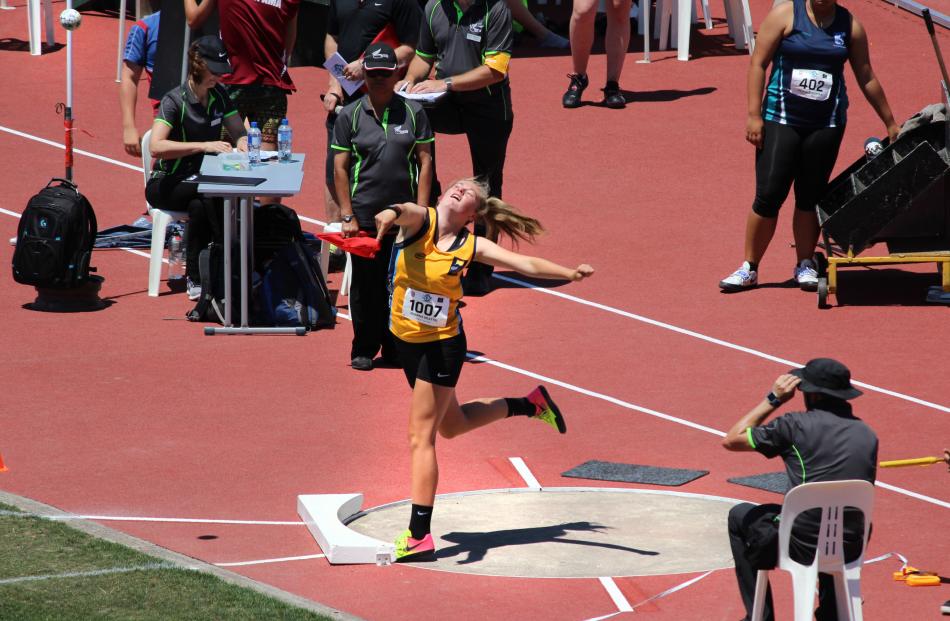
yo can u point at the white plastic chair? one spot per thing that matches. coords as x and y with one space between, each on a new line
674 20
831 497
335 227
160 221
34 16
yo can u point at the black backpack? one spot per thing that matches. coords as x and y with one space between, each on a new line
211 304
292 291
55 238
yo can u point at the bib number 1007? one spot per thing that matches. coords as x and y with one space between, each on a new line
812 84
426 308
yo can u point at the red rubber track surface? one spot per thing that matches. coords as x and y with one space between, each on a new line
131 411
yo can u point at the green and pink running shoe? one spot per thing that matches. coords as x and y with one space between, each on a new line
409 550
546 409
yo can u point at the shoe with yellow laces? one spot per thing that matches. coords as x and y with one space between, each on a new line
409 550
546 409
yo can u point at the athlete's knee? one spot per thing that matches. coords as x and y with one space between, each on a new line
766 206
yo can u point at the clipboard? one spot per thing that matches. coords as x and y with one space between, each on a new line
226 180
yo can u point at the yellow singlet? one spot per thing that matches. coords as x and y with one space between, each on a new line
426 284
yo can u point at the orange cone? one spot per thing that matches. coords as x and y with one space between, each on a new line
3 467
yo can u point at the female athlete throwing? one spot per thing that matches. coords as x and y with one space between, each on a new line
432 248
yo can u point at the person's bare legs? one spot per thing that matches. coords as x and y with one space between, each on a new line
758 234
435 409
617 38
429 403
806 231
471 415
582 33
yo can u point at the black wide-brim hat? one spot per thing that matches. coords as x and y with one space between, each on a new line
827 376
211 50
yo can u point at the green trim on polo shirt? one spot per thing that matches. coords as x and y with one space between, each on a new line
424 55
231 113
427 140
800 461
356 171
413 184
338 147
748 435
165 122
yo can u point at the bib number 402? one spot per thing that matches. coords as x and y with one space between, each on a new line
811 84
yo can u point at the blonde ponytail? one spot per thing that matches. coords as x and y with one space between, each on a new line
500 217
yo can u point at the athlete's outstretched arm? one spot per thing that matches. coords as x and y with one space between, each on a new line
408 216
489 252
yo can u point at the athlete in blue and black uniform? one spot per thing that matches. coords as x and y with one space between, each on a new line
798 127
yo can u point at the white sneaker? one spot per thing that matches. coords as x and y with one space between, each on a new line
945 609
806 275
743 278
194 290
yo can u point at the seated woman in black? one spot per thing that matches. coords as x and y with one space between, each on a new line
187 126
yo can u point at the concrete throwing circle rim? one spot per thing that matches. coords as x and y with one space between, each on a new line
683 547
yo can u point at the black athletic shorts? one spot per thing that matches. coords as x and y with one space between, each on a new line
437 362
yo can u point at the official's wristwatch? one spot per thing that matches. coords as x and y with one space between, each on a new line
448 83
773 399
347 218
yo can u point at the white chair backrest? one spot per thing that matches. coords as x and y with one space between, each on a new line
146 154
831 497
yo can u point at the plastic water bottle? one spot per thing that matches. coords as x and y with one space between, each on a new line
176 261
873 147
254 144
285 140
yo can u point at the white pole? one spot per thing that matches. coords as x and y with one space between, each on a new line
184 53
121 46
644 18
34 17
68 119
48 12
69 63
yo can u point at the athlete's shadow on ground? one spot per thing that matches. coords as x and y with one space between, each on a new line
477 545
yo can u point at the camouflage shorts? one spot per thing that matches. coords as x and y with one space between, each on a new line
266 105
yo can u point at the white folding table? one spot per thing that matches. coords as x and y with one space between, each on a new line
281 179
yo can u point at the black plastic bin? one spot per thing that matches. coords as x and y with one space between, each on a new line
899 197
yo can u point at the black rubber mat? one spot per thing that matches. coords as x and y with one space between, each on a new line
770 481
632 473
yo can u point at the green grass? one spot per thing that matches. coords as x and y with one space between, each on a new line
31 546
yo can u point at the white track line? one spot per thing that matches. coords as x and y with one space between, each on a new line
596 395
86 574
619 600
79 151
893 488
10 213
525 473
708 339
117 518
572 298
272 560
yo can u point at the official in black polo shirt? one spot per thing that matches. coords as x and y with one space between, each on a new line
382 147
351 26
825 443
187 126
469 42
